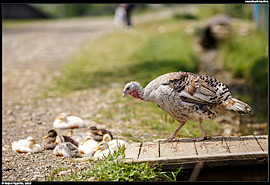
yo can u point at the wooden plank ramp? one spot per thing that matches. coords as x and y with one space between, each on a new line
214 151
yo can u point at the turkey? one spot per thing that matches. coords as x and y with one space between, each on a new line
187 96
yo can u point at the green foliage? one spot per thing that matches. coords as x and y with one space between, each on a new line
240 53
259 75
206 11
247 57
120 171
243 11
113 168
75 10
185 16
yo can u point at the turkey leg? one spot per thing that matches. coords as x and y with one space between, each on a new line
203 133
170 138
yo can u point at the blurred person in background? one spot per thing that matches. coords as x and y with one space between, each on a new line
129 8
123 14
120 14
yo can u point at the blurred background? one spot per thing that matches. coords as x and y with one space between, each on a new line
228 42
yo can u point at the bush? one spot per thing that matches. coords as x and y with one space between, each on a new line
75 10
259 75
240 53
185 16
243 11
247 58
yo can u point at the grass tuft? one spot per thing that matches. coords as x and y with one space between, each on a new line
113 168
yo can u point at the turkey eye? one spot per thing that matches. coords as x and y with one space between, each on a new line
127 88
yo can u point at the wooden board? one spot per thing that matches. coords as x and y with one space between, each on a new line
132 150
149 150
263 142
213 151
243 144
212 146
218 159
180 148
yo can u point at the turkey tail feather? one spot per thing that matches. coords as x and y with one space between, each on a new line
238 106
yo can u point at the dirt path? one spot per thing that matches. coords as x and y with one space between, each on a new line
32 54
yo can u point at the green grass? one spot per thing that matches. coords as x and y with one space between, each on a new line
113 168
140 54
250 48
206 11
18 23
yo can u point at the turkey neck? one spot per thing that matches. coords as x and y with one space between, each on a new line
143 94
138 93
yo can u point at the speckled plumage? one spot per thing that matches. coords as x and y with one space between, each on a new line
187 96
66 149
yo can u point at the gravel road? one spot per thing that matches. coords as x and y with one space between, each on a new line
32 53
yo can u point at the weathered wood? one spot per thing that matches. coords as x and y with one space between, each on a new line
216 151
243 144
132 150
215 145
195 172
263 142
149 150
181 148
218 158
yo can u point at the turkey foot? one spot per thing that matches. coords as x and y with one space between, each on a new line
203 133
170 138
199 138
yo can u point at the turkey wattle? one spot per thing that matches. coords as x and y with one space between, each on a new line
187 96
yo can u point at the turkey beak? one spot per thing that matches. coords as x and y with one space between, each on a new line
46 136
124 94
55 143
